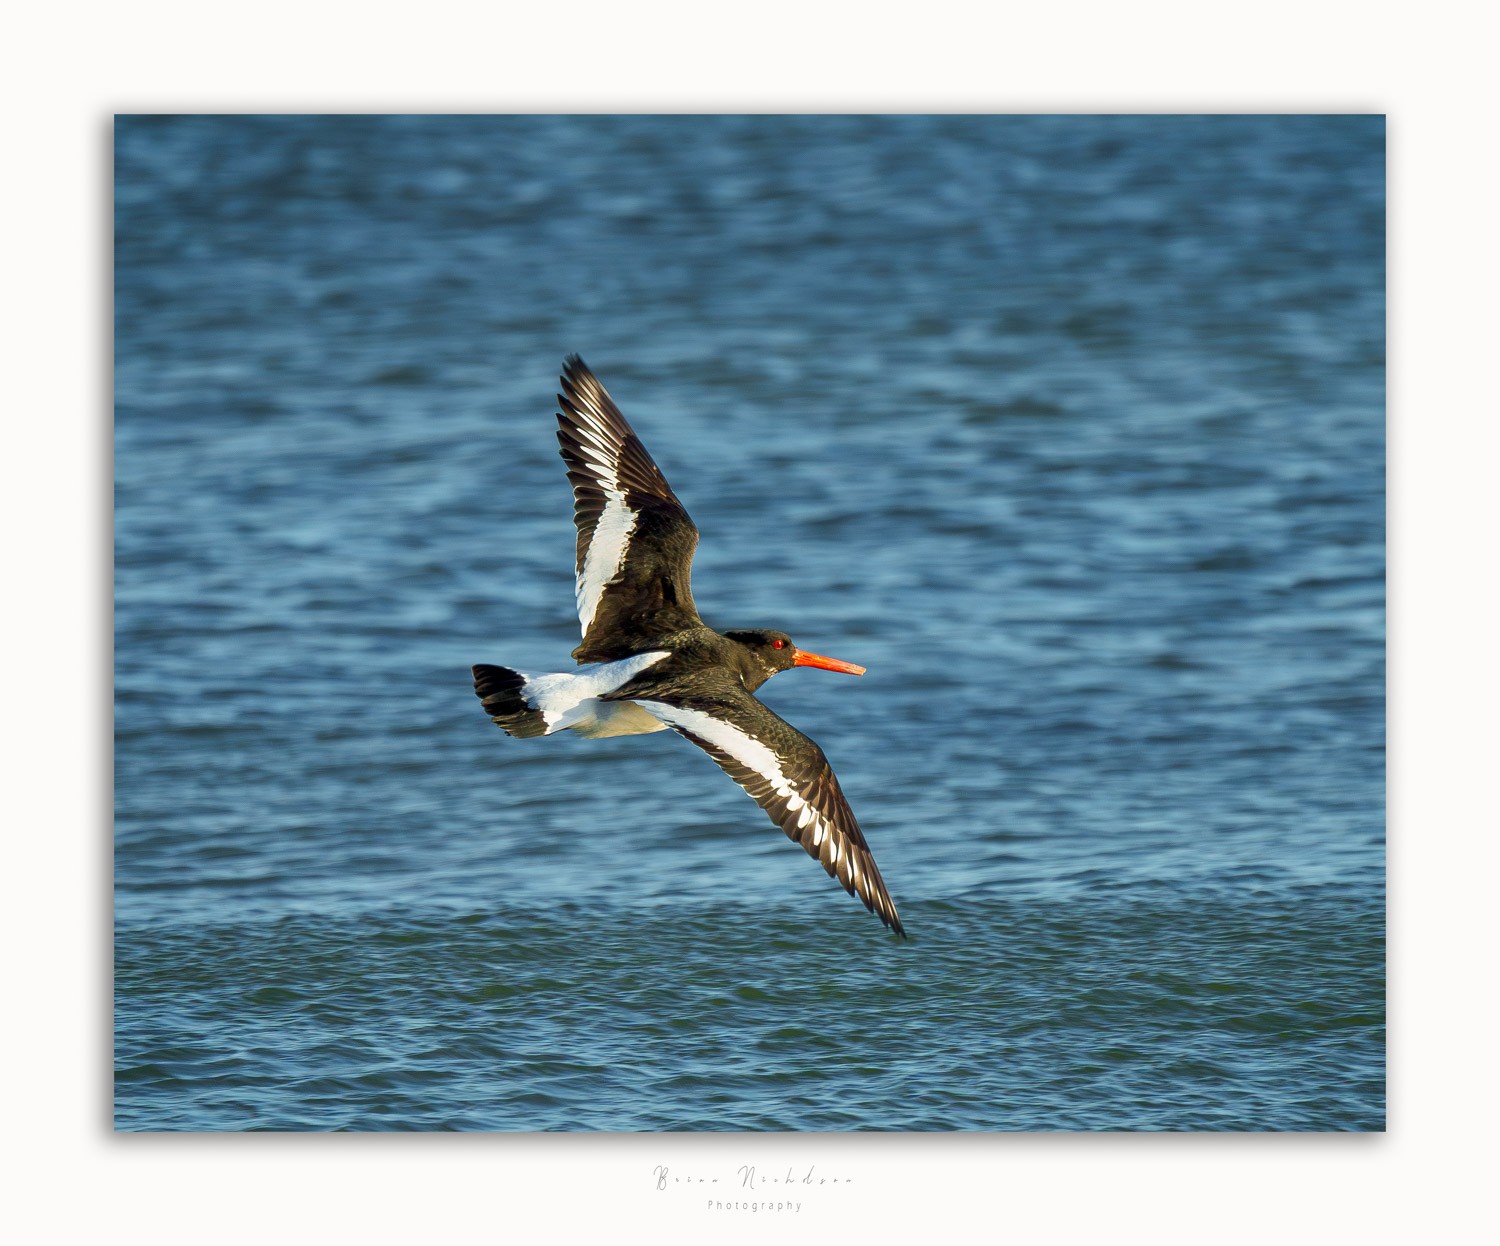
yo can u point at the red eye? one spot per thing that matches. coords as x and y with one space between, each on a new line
778 644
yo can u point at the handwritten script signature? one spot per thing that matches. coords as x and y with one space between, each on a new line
750 1179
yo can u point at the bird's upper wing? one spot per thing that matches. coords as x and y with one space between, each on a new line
635 541
789 778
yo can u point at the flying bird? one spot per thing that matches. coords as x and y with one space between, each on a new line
648 662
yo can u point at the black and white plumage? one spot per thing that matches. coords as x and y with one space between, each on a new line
635 541
649 662
790 778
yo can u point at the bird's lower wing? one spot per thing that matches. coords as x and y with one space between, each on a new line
790 779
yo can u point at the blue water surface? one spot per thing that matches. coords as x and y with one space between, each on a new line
1071 429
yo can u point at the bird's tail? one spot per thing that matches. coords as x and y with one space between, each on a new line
500 692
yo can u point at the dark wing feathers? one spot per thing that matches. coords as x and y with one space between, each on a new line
789 777
589 417
635 540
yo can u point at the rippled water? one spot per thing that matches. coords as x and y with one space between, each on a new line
1069 428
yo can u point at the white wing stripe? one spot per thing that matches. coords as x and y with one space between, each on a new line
740 745
611 536
606 554
756 756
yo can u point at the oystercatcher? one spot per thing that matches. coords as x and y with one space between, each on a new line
649 662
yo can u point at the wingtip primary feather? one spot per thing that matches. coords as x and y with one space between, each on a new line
575 372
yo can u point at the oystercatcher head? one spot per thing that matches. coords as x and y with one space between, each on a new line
772 652
649 662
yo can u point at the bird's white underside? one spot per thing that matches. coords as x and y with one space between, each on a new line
569 700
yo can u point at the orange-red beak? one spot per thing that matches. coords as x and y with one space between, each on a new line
803 658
